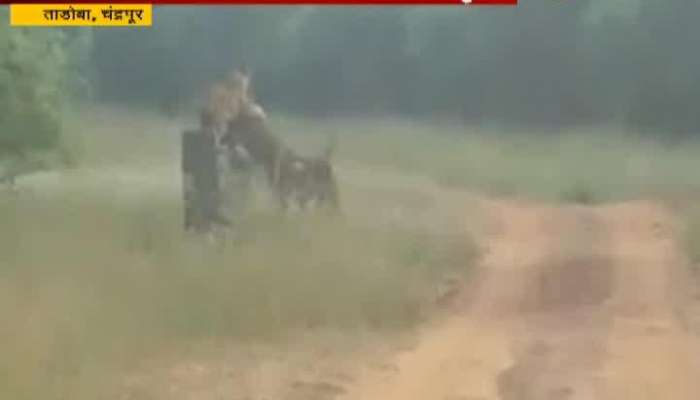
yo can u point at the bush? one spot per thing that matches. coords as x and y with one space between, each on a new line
36 82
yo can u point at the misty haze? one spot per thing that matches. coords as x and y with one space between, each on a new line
353 203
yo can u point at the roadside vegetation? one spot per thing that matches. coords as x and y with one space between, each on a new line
96 274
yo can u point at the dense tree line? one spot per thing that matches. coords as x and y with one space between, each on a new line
543 63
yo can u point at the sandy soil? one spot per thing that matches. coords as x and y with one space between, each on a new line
571 303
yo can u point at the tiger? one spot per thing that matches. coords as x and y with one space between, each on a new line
225 100
216 111
295 180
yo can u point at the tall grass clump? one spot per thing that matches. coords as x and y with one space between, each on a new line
89 286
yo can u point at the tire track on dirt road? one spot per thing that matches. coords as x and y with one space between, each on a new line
570 303
465 356
652 356
559 342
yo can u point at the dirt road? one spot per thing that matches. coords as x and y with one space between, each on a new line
571 303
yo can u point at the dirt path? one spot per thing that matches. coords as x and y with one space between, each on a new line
572 303
463 355
650 354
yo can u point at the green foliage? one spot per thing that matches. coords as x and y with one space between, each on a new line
541 64
37 79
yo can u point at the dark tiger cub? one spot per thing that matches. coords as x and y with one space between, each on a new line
296 180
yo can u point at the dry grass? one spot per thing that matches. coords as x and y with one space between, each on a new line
89 285
96 274
584 166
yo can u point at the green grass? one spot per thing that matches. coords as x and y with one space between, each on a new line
108 135
92 283
591 165
584 165
90 286
97 276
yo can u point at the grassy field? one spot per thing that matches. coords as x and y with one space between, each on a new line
87 285
96 274
587 165
584 165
